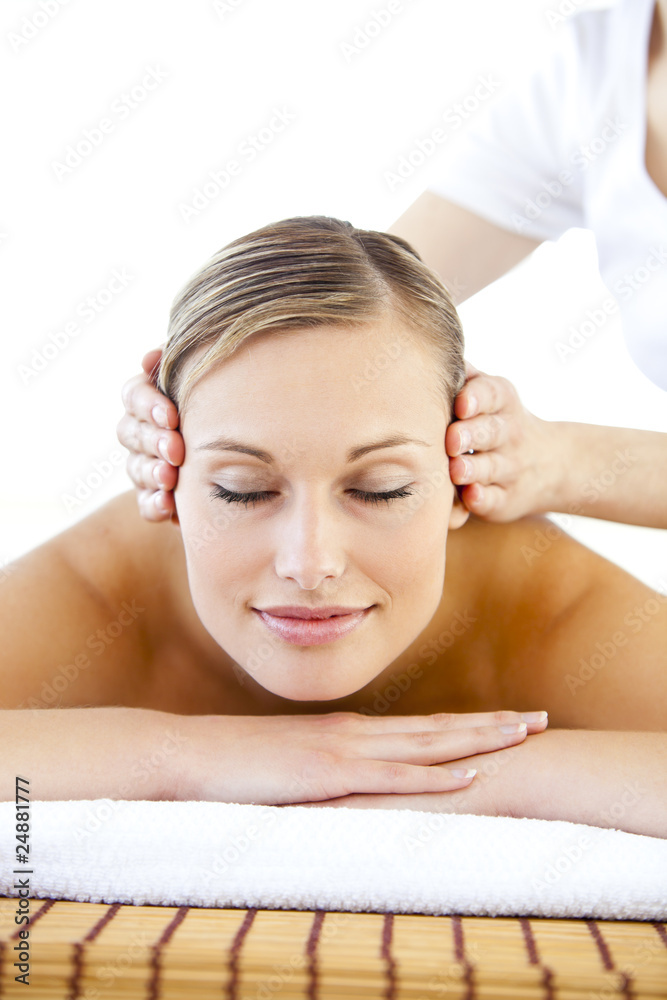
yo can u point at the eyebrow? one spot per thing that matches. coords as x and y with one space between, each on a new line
228 444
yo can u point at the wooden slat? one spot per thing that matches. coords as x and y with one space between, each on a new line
101 951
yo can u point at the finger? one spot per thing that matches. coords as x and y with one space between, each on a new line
156 505
151 363
142 400
151 473
433 747
480 433
358 722
485 501
485 468
386 776
483 394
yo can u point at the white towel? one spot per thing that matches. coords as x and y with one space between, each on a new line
333 858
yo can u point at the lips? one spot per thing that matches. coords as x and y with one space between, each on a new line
312 626
310 614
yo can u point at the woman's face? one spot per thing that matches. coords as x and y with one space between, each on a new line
308 537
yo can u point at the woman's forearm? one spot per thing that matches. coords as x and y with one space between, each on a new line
601 778
615 473
89 753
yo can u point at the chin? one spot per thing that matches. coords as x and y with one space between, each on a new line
310 690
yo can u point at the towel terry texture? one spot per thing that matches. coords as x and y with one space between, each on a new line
333 858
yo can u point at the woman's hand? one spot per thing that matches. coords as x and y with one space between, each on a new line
148 431
283 759
515 465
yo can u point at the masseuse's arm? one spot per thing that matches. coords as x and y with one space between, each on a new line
524 465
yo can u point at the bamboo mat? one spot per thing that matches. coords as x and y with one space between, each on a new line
101 951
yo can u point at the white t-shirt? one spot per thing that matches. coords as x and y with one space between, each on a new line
567 148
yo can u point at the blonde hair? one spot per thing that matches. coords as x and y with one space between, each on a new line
308 271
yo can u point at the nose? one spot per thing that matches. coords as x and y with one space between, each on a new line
309 545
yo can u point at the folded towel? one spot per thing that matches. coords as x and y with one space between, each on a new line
333 858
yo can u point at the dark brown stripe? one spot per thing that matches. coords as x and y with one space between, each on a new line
460 955
156 949
385 951
78 948
625 979
662 933
311 953
235 951
48 903
534 958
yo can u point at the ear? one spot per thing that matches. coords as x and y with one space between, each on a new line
173 518
459 513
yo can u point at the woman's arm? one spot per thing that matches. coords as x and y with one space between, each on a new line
607 779
90 753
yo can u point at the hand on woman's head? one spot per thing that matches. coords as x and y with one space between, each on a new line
148 429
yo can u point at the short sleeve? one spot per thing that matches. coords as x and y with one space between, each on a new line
516 162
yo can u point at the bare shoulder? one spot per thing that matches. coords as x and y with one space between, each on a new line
572 630
78 615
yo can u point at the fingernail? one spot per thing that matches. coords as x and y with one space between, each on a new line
463 772
465 439
534 716
162 448
161 501
466 468
159 475
160 416
471 408
514 727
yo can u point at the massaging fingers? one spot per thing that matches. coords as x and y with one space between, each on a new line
484 394
484 500
386 776
432 747
486 468
481 433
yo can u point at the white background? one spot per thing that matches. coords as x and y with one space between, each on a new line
225 71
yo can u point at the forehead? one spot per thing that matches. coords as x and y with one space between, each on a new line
375 368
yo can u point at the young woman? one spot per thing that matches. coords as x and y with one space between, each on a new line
320 622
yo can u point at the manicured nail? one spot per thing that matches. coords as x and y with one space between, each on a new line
465 439
159 475
160 416
534 716
514 727
162 448
160 501
463 772
471 408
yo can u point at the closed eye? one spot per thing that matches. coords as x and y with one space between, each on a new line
219 492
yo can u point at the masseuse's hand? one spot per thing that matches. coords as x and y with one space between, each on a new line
285 759
148 431
514 467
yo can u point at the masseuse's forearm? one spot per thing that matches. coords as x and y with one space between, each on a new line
608 779
88 753
615 473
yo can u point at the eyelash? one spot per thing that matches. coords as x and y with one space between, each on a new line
219 492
